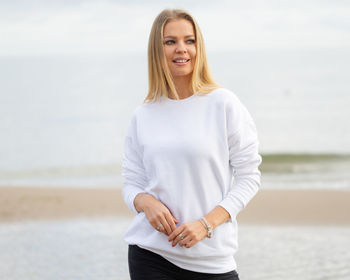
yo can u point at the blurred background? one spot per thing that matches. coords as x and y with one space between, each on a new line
73 72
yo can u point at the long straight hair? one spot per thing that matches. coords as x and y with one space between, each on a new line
159 76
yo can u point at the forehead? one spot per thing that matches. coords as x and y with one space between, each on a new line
178 27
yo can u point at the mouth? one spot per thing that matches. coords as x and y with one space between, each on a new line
181 61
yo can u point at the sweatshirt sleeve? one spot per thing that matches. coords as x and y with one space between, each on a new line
133 171
243 155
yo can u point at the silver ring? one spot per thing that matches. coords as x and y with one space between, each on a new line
181 236
159 227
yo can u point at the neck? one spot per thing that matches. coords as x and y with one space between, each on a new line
182 85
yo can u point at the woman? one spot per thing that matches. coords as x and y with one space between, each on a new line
183 146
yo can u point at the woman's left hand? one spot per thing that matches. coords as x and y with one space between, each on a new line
191 232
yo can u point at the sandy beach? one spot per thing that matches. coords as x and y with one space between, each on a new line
285 207
61 233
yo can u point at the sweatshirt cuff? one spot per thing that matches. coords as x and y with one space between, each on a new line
131 197
231 205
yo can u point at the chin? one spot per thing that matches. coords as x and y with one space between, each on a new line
182 74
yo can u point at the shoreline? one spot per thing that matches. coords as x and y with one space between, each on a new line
275 207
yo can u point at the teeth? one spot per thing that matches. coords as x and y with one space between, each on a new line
181 60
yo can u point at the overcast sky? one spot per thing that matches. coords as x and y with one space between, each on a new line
95 27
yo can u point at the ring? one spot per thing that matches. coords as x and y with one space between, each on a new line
181 236
159 227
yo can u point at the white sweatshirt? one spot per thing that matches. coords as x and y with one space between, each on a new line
186 153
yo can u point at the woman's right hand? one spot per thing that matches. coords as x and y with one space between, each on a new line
156 212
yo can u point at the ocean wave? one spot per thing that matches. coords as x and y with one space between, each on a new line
305 163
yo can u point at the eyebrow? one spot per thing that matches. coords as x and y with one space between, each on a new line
174 37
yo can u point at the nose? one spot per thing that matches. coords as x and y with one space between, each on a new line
181 47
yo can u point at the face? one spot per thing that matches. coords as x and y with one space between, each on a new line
179 47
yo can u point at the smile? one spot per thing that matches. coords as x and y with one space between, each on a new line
181 61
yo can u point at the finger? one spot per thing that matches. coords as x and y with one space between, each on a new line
186 240
171 223
176 232
190 244
175 220
162 230
178 239
158 226
166 226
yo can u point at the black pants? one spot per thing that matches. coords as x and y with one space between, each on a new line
146 265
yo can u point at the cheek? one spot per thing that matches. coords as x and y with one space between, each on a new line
167 53
193 53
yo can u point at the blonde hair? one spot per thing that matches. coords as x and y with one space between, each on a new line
159 76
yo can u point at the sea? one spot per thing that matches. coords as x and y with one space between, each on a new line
63 121
93 249
63 118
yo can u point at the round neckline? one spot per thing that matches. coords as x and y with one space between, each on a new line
179 100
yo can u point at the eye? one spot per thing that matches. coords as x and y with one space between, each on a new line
191 41
169 42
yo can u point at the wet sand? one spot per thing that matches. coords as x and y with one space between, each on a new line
275 207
